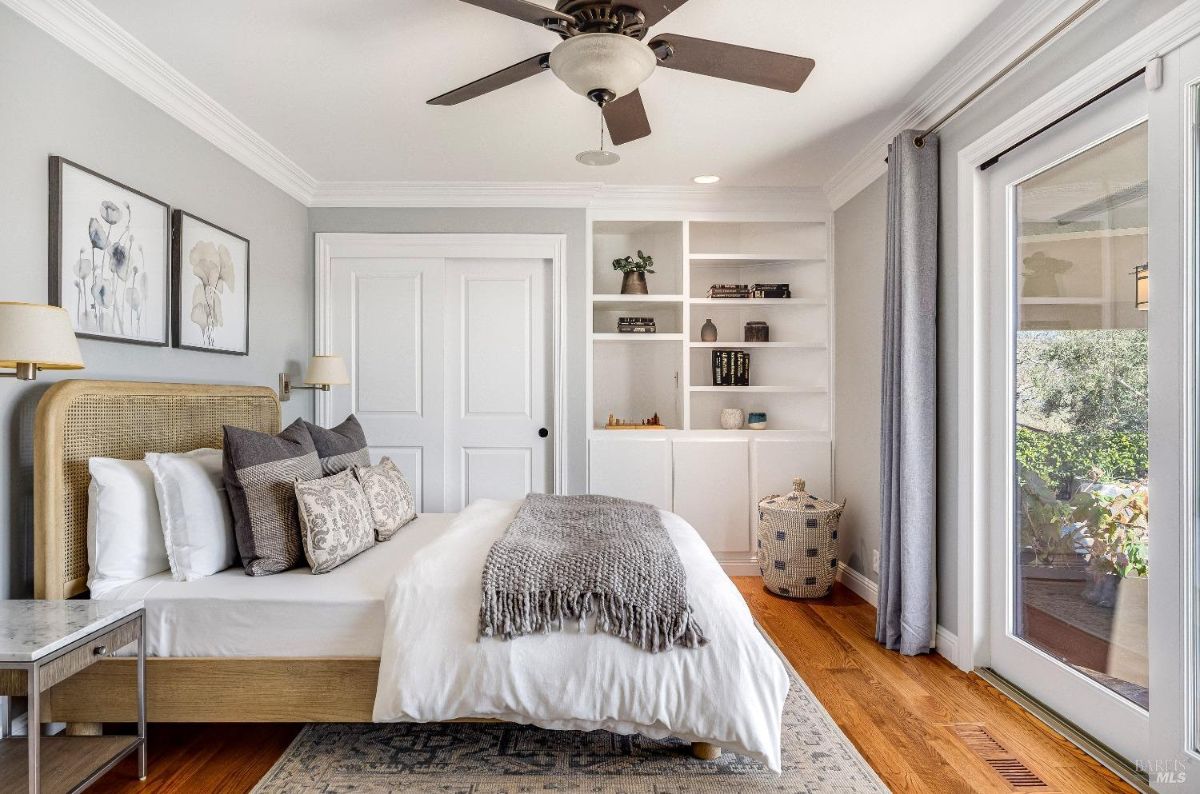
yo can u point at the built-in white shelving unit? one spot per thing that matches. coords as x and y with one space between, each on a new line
713 477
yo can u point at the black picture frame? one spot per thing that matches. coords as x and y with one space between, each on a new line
178 280
55 280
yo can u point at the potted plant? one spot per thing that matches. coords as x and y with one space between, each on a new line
1116 536
635 270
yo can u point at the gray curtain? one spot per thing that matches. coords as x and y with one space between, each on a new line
908 479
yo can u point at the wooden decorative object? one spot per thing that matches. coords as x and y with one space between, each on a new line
653 423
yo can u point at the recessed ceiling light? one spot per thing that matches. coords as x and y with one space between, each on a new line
707 179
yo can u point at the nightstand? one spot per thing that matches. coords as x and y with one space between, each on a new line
43 643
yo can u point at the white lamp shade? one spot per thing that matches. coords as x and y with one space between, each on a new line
33 333
326 371
602 61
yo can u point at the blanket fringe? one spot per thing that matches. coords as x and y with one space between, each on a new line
511 615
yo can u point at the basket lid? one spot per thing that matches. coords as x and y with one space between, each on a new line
799 500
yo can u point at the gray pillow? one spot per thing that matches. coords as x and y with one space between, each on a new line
341 447
388 494
259 472
335 520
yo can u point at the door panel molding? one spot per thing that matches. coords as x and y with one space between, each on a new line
330 246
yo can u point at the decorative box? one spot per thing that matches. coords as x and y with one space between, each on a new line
757 331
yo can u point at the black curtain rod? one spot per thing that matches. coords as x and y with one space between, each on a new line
986 164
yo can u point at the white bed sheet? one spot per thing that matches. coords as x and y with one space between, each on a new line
730 692
290 614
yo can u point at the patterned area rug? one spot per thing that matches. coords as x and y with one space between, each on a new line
515 759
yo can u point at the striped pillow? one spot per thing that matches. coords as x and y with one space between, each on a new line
340 448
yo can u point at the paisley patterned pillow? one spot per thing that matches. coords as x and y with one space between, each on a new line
390 498
335 520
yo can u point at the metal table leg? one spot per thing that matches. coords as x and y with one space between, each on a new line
34 715
141 695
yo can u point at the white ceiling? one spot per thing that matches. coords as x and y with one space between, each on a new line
339 86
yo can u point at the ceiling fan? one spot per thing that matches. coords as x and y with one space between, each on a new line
603 57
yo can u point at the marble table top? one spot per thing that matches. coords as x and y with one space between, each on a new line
30 630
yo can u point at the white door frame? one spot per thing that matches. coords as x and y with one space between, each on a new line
551 247
973 430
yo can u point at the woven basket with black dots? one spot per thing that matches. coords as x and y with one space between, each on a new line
797 543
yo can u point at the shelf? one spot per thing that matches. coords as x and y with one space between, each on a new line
66 761
637 299
747 260
762 389
637 337
1064 301
758 302
1091 234
747 345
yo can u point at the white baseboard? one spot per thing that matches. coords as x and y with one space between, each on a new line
945 641
858 584
946 644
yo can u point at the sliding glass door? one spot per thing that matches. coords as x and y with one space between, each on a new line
1071 546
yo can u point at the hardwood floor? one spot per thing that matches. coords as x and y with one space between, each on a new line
895 709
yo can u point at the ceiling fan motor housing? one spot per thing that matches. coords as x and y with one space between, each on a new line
602 66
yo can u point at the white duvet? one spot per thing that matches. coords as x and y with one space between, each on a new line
433 668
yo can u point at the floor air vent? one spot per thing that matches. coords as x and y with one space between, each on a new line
1011 769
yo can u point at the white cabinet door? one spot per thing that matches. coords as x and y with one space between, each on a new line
638 469
712 492
774 462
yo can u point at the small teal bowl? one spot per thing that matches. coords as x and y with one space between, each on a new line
757 417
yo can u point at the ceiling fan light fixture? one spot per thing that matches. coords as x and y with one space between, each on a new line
595 64
597 157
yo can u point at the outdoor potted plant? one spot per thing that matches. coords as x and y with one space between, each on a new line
635 270
1115 516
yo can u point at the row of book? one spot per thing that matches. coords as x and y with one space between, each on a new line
750 291
636 325
731 368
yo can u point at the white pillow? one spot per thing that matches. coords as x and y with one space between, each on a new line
197 525
124 534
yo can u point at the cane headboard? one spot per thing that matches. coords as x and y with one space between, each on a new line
82 419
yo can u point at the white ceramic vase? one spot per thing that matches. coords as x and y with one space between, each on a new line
732 418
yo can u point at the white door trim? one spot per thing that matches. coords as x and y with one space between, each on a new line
1169 32
551 247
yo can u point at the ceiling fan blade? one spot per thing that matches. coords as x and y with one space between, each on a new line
732 62
522 10
513 74
626 119
656 10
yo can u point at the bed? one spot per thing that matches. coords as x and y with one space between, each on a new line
294 647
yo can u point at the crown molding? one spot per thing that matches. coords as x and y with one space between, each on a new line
97 38
576 195
1033 20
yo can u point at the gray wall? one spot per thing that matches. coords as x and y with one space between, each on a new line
56 103
1113 23
571 222
859 243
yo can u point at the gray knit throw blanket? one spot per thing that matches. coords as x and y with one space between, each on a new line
578 557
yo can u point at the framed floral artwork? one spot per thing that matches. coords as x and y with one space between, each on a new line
109 261
211 269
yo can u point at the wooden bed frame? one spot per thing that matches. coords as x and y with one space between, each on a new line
82 419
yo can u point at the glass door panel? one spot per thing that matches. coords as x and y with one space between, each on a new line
1080 423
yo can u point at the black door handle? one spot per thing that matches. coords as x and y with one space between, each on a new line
543 433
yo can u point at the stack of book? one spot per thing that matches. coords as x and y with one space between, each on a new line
771 291
729 291
636 325
731 368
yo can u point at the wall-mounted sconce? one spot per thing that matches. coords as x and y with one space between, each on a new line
34 337
323 372
1141 284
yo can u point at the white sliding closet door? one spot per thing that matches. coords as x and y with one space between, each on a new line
497 389
386 323
450 361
